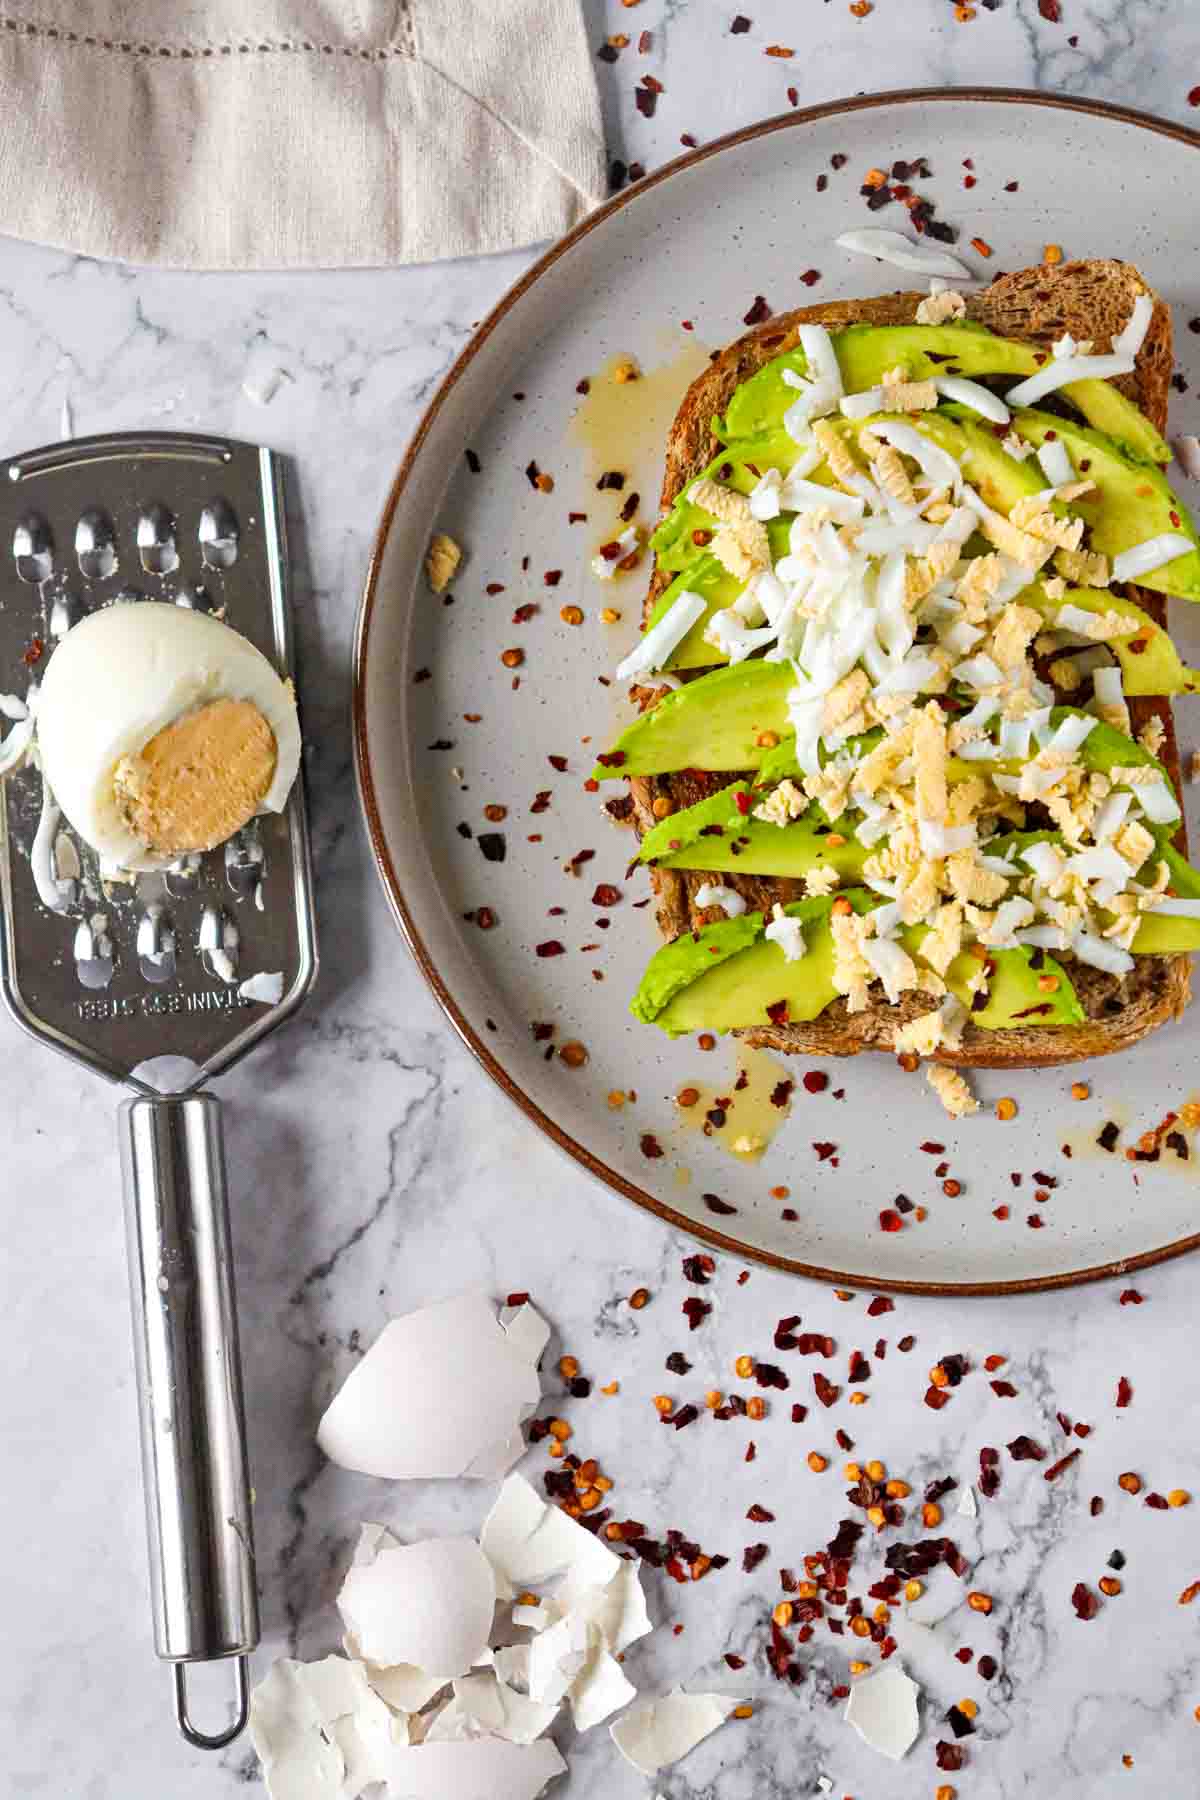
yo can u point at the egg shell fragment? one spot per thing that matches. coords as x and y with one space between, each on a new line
527 1542
663 1731
883 1710
428 1605
320 1732
440 1394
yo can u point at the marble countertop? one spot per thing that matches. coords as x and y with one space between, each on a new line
374 1166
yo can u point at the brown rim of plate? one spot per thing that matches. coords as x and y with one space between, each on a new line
362 757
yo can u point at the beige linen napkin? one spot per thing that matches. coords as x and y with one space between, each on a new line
240 134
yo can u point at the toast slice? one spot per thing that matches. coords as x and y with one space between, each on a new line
1089 299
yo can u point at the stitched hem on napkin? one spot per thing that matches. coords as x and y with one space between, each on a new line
468 126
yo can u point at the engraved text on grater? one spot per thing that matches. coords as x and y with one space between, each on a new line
131 1006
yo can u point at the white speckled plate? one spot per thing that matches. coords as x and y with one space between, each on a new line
697 242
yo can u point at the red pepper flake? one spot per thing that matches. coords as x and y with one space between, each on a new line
989 1472
1024 1449
783 51
1194 97
781 1093
777 1012
715 1204
906 1344
793 95
860 1368
645 40
524 613
932 1149
606 894
611 759
936 1398
1064 1462
1131 1297
825 1390
743 803
948 1756
694 1310
1004 1390
1035 1222
815 1081
520 1299
758 312
799 1414
811 277
735 1662
752 1555
1051 11
551 947
698 1269
687 140
824 1151
879 1305
1124 1392
890 1220
739 25
964 1655
1086 1603
646 100
552 577
982 246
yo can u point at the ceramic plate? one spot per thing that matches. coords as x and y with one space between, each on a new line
444 729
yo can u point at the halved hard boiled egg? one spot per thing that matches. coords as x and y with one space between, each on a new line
163 731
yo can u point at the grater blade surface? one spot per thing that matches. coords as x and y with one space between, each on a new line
119 974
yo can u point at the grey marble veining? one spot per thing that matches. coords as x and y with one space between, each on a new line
375 1167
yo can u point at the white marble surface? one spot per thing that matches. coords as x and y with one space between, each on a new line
375 1167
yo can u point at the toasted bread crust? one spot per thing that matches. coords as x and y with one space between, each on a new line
1090 300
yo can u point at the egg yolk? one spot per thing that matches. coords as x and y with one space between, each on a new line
199 779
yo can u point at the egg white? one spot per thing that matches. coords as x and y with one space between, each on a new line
121 675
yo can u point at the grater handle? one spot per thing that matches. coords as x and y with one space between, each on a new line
188 1369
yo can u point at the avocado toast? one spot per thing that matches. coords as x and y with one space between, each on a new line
913 784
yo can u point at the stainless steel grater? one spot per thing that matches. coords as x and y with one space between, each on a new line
122 975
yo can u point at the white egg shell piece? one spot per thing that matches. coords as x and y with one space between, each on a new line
428 1604
883 1710
121 675
660 1732
527 1542
441 1393
320 1732
485 1706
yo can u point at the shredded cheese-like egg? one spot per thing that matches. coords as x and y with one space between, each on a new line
952 1090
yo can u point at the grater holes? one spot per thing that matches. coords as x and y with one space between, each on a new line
218 535
180 878
93 950
156 534
95 545
65 610
217 941
244 858
33 550
155 946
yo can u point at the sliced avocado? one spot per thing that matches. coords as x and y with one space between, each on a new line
712 723
1014 997
865 353
739 469
1000 479
1150 663
706 576
754 847
692 959
741 986
1160 934
1106 409
1133 501
716 813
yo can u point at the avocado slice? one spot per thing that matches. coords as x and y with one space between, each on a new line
754 847
1133 501
865 353
690 961
1150 663
1106 409
712 723
672 539
685 988
714 815
722 979
706 576
1014 997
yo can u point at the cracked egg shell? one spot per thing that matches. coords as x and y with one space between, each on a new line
429 1605
441 1393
